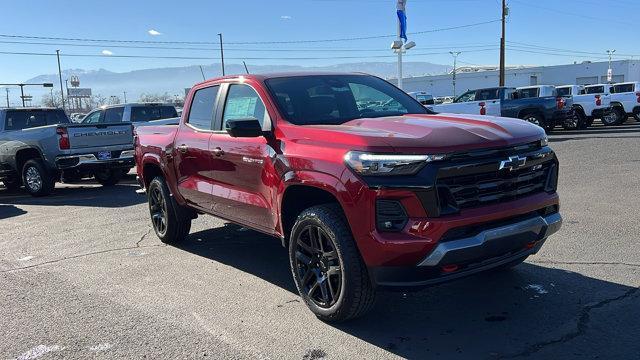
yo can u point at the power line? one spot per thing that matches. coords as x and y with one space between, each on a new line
231 58
243 42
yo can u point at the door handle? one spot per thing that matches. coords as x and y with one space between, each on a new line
183 148
217 151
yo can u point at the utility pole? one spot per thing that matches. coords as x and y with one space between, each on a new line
455 63
60 75
245 66
22 94
610 71
202 72
221 54
125 96
502 42
7 90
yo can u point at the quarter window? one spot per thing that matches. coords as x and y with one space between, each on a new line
203 108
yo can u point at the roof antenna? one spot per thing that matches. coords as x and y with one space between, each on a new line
202 72
245 67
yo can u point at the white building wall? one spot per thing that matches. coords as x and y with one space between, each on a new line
589 73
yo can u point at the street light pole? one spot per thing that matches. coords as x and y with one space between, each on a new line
60 75
455 63
125 96
221 54
22 94
7 90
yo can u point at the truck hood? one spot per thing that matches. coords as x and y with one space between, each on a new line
440 133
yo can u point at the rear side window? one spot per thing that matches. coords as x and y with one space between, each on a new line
113 115
594 90
528 93
17 120
92 118
563 91
150 113
487 94
203 108
624 88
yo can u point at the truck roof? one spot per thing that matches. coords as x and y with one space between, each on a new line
30 108
266 76
136 104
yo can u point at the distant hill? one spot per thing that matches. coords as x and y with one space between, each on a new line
174 80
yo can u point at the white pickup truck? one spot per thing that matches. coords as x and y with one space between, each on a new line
626 96
588 106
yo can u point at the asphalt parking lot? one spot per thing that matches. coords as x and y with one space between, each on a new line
82 275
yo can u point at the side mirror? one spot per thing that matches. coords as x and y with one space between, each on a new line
249 127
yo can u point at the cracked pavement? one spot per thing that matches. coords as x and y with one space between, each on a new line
83 275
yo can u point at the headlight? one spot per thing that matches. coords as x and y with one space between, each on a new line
544 141
368 164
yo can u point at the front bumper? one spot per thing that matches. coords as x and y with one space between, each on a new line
457 258
125 160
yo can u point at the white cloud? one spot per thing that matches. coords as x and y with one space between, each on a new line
154 32
106 52
285 17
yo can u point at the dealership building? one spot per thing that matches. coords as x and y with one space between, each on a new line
480 77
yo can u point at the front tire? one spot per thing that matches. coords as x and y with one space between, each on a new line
327 268
37 179
170 221
108 177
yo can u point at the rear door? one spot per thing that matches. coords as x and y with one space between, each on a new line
193 160
243 189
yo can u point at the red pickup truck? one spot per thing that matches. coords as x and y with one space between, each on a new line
366 187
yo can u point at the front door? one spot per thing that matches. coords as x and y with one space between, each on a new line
243 189
193 160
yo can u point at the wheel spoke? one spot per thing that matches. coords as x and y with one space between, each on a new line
305 247
324 290
303 258
320 240
334 270
314 240
312 289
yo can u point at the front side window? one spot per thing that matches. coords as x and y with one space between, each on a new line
113 115
243 103
336 99
466 97
203 108
92 118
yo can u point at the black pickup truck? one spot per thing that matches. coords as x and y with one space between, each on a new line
544 111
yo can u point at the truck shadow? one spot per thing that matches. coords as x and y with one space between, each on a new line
81 194
532 310
7 211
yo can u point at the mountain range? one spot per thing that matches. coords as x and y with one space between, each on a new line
173 80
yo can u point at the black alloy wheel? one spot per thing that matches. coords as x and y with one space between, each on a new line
318 266
158 209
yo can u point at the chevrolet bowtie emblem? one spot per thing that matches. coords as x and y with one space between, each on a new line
513 163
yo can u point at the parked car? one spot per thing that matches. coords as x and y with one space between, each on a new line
364 197
545 111
587 106
140 114
423 98
625 98
38 145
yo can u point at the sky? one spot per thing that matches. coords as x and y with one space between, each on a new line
540 32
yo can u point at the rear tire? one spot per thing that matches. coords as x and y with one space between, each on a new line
170 221
620 118
576 122
636 114
329 273
37 179
108 177
538 119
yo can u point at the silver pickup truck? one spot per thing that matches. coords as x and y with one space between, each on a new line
40 146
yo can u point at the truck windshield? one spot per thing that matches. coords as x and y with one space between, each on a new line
336 99
149 113
24 119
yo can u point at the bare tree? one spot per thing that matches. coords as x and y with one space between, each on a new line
98 100
114 100
52 101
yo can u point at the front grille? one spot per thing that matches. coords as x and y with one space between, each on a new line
468 191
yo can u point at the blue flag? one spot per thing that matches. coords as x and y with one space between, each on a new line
402 17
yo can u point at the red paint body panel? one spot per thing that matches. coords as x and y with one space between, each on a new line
247 184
